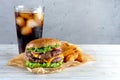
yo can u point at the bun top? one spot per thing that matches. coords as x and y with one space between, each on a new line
41 42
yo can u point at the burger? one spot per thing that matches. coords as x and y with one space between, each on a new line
44 52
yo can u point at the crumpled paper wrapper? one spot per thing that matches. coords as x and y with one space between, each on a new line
20 60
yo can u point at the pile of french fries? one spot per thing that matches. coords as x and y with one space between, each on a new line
72 52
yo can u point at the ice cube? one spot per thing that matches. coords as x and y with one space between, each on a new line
31 23
26 30
38 16
26 15
20 21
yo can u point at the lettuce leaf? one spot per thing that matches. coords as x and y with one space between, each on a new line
43 49
44 65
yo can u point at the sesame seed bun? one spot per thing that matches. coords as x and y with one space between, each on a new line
41 42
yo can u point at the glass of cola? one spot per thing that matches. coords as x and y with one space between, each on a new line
29 24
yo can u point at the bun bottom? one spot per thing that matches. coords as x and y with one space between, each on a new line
45 70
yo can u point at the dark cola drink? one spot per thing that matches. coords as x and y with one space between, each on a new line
29 26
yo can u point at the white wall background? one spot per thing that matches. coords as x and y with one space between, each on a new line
77 21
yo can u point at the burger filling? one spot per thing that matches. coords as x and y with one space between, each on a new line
49 56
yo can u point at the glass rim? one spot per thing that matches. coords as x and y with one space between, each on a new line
34 9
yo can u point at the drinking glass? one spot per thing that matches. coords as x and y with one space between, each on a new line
29 24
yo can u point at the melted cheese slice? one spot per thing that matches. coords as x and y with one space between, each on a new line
35 55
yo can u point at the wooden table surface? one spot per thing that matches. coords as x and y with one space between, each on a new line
106 66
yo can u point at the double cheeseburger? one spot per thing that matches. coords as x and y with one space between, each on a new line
44 52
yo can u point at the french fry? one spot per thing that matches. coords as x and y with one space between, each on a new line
65 46
81 58
69 58
67 52
73 56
